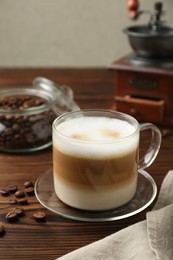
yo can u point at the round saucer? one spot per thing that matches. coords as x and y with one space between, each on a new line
145 194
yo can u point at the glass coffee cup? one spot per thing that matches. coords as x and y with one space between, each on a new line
96 158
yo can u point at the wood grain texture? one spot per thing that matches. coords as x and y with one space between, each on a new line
28 239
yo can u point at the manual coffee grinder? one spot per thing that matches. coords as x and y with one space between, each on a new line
144 78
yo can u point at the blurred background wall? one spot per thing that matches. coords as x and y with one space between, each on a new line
66 33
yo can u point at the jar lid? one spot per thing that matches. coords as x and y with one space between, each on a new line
63 94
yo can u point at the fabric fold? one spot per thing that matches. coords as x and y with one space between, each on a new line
160 232
160 221
166 192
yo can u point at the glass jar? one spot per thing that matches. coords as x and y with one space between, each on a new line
26 115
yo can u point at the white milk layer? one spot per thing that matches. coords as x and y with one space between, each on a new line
95 137
95 200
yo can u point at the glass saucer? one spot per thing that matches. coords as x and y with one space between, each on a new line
145 194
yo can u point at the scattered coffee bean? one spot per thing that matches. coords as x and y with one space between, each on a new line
23 201
11 216
28 184
19 211
14 214
2 230
19 194
166 132
4 192
29 191
39 216
12 201
12 188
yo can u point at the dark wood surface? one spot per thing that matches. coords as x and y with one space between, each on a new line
28 239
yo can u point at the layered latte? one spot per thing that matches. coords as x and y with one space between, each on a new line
95 162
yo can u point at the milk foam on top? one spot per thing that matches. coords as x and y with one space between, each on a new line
104 137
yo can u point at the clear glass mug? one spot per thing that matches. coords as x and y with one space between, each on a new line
96 157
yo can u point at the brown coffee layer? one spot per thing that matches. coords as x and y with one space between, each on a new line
93 172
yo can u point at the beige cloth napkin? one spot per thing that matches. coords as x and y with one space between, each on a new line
151 239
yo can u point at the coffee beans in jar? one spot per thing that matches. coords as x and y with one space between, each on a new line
26 117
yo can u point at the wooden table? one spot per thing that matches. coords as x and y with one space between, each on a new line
28 239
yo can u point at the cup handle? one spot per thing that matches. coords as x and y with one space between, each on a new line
154 146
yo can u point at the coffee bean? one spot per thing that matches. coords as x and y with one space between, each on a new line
28 184
39 216
16 127
12 188
23 201
11 216
19 211
29 191
12 201
166 132
4 192
19 194
2 230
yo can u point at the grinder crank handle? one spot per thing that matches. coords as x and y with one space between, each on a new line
133 7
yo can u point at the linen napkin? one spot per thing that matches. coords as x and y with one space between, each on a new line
151 239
